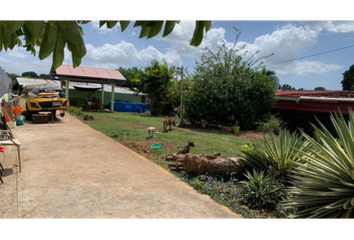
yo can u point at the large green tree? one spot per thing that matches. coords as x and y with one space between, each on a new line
348 79
155 81
30 74
130 76
227 89
53 36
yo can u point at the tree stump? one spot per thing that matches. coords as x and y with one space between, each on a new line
205 163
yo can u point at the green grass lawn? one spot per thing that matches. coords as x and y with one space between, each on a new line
130 129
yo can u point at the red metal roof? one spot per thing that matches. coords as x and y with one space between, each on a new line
88 72
315 101
313 93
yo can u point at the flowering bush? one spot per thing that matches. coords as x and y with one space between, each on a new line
227 89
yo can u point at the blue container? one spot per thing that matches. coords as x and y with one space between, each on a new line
128 107
139 107
146 106
118 106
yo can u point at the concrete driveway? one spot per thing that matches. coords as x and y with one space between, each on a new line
72 171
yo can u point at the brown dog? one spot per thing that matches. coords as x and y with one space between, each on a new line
168 122
186 148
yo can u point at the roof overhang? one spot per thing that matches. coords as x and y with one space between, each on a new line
87 75
314 103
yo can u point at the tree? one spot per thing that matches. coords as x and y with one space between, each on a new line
155 81
320 89
130 76
271 74
226 89
30 74
15 85
348 79
52 36
44 76
286 87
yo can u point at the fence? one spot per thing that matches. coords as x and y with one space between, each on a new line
5 86
5 83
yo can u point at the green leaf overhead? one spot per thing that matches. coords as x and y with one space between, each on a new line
52 36
124 25
58 54
35 27
49 40
71 30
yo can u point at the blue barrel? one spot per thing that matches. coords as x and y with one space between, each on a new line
118 106
139 107
146 106
128 107
142 107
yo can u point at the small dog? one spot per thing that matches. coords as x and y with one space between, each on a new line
186 148
151 131
168 122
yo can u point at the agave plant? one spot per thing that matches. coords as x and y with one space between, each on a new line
324 181
261 190
276 156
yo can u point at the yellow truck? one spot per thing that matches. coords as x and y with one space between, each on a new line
44 98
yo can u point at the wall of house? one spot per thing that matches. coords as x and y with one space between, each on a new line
294 119
77 98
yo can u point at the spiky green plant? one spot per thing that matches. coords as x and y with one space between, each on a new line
261 190
276 156
324 182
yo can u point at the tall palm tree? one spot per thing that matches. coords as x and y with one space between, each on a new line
271 74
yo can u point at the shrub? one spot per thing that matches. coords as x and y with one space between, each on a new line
261 190
325 179
274 156
77 111
226 88
272 125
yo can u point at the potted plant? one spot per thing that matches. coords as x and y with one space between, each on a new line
236 128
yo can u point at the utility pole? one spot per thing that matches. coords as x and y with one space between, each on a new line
180 71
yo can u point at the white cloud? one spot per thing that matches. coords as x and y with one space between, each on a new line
331 26
287 43
5 61
303 68
121 53
182 34
151 53
19 52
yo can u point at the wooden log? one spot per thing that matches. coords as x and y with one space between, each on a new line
176 169
220 165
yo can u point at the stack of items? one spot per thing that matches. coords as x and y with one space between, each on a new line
17 111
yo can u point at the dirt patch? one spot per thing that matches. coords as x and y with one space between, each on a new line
251 135
144 147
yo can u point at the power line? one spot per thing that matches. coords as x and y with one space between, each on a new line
338 49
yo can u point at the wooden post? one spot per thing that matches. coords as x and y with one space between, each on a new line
102 94
112 97
67 90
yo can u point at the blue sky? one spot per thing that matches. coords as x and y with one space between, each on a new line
287 40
